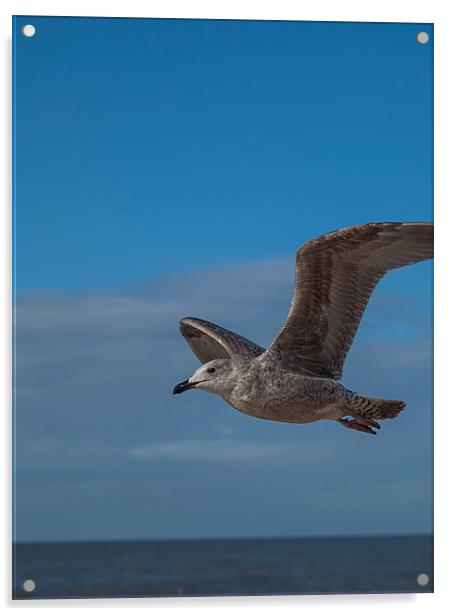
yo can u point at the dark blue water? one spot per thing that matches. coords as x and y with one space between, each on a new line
224 567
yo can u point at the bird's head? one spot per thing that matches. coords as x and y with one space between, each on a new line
216 376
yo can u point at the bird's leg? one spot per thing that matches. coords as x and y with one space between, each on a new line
362 424
367 421
355 425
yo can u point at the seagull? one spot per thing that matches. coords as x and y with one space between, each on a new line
296 379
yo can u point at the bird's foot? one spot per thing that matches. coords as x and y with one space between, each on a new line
362 424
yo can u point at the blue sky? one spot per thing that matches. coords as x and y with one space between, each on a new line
172 167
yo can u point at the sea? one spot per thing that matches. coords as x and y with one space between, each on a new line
223 567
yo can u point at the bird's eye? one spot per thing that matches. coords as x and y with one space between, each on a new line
210 370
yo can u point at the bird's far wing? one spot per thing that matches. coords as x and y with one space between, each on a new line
209 341
335 276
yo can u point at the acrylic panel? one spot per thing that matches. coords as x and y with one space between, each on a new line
166 174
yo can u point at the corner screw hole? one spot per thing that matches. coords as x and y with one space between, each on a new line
28 30
29 585
422 38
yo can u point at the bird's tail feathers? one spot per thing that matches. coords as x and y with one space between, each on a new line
376 408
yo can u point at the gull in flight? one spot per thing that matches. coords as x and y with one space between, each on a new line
297 378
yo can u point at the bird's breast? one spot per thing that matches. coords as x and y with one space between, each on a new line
282 396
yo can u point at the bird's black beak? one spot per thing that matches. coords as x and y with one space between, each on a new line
181 387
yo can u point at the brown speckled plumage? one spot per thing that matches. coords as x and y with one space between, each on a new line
295 379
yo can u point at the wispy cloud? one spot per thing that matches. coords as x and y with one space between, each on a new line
209 450
94 377
282 452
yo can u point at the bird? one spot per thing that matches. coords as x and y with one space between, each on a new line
297 378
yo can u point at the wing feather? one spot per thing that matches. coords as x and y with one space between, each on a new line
209 341
335 276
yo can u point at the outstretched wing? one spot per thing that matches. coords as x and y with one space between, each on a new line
335 276
209 341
